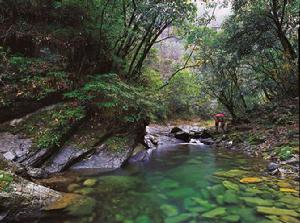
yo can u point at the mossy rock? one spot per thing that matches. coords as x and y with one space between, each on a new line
203 203
255 201
90 182
289 219
205 193
290 200
48 127
231 218
230 197
169 210
276 211
220 199
247 215
196 210
143 219
85 191
216 190
231 186
117 183
215 213
179 218
118 143
231 173
181 193
73 187
65 201
83 207
168 184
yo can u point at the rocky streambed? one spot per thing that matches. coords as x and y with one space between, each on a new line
174 174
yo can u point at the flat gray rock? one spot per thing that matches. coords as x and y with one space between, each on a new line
14 147
105 159
64 158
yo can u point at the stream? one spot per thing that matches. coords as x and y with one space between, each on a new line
182 183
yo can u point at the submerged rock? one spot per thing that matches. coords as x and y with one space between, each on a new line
230 197
231 186
203 203
169 210
276 211
257 201
250 180
117 183
179 218
289 219
168 184
231 218
83 207
181 192
231 173
215 213
64 201
90 182
85 191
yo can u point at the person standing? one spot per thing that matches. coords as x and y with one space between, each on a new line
219 121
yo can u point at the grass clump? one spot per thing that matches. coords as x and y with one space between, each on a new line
118 143
5 180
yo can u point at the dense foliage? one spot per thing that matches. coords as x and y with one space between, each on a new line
101 54
252 59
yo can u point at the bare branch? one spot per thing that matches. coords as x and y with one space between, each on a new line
168 37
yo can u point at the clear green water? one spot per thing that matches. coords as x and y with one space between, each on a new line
179 184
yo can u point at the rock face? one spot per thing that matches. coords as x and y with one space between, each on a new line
105 159
21 196
64 158
191 133
14 147
182 135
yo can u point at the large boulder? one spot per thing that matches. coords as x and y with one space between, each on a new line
110 155
183 136
22 198
176 129
64 158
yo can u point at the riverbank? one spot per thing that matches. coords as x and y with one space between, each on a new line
272 133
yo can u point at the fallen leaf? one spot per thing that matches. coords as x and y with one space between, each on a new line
249 180
289 190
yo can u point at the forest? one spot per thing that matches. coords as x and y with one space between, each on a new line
149 111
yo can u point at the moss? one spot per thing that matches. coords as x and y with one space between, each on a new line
5 180
236 137
256 139
285 152
48 126
118 143
27 78
89 134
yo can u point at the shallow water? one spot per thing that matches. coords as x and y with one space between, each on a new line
183 183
